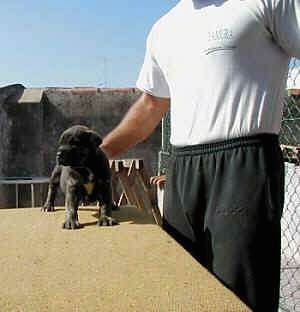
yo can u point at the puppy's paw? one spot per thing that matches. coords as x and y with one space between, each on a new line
107 221
71 225
48 207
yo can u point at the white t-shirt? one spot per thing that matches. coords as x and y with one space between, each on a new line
224 65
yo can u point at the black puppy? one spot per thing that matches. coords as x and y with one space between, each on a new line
83 174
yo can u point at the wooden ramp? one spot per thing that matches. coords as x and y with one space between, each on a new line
134 266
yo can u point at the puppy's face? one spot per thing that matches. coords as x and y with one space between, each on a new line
76 145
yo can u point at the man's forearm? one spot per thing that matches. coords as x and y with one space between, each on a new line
139 122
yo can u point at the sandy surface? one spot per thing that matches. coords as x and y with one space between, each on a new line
134 266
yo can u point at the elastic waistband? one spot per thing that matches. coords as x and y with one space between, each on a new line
259 139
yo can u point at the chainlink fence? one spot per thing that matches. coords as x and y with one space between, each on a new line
290 143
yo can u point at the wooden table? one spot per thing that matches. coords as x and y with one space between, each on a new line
134 266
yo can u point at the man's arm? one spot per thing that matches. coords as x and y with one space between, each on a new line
138 123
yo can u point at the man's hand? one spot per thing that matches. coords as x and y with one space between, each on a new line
158 180
137 125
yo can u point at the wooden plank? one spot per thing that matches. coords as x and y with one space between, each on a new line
122 200
130 176
126 184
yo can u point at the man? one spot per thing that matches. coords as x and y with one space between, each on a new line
221 67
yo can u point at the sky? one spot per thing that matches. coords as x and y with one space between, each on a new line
55 43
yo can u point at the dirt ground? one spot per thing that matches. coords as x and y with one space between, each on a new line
133 266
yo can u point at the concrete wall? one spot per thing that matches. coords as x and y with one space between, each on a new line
31 121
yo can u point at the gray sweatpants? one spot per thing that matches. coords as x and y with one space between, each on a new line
223 202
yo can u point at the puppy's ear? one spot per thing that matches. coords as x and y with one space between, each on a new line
61 138
95 138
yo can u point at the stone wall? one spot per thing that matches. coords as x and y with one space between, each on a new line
31 121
